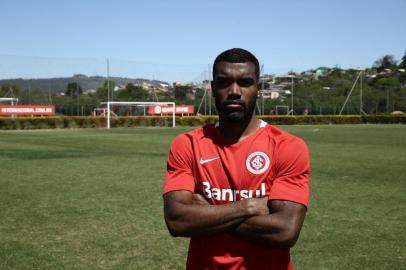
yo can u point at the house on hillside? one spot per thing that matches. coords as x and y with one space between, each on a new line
89 91
321 72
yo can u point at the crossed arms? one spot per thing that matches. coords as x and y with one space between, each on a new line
274 223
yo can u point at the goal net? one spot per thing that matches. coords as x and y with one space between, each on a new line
165 108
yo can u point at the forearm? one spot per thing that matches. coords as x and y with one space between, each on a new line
263 230
278 229
188 214
199 220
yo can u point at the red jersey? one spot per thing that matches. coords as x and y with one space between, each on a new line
269 162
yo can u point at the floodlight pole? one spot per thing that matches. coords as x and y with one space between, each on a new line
29 94
108 93
201 101
292 95
173 115
262 90
108 80
210 93
387 99
360 96
349 94
108 114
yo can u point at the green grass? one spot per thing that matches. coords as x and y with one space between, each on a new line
91 199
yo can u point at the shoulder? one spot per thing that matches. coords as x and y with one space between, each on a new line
291 152
288 148
186 139
283 138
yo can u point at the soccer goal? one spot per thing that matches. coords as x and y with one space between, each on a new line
161 106
101 112
12 101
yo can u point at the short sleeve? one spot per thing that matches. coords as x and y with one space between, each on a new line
292 166
179 168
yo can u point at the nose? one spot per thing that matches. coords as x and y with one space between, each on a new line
234 89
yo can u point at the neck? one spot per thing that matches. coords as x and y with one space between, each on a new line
235 132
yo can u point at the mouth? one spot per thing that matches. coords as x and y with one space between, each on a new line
233 105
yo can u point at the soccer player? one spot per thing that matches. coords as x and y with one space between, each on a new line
238 188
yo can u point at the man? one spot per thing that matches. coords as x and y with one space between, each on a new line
238 188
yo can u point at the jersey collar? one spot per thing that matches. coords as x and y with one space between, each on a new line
262 124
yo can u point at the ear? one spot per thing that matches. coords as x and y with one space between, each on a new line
212 84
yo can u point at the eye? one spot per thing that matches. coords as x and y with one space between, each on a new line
222 82
245 82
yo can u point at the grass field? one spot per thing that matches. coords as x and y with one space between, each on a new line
91 199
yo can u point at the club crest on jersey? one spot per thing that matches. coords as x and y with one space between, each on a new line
257 162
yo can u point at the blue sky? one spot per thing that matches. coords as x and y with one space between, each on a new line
177 40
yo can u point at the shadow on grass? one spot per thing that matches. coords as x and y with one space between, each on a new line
29 154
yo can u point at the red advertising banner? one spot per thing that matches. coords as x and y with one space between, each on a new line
165 110
27 110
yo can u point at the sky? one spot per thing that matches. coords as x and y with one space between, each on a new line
178 40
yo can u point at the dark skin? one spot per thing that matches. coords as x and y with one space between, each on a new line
272 223
236 82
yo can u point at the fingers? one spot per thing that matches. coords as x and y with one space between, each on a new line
262 206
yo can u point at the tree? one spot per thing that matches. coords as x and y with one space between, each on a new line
182 91
133 93
402 78
73 89
402 63
102 91
387 61
9 90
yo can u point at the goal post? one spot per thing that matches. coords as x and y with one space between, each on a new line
131 103
11 100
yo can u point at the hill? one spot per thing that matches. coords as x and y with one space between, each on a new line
58 85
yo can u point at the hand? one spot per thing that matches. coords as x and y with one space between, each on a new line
257 206
199 199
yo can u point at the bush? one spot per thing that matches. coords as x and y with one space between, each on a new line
156 121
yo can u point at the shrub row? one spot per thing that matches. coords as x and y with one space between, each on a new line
49 122
335 119
155 121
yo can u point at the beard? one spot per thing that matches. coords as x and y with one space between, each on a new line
237 114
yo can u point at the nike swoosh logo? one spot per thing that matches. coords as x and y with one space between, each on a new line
203 161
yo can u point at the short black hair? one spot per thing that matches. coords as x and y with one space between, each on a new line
237 55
